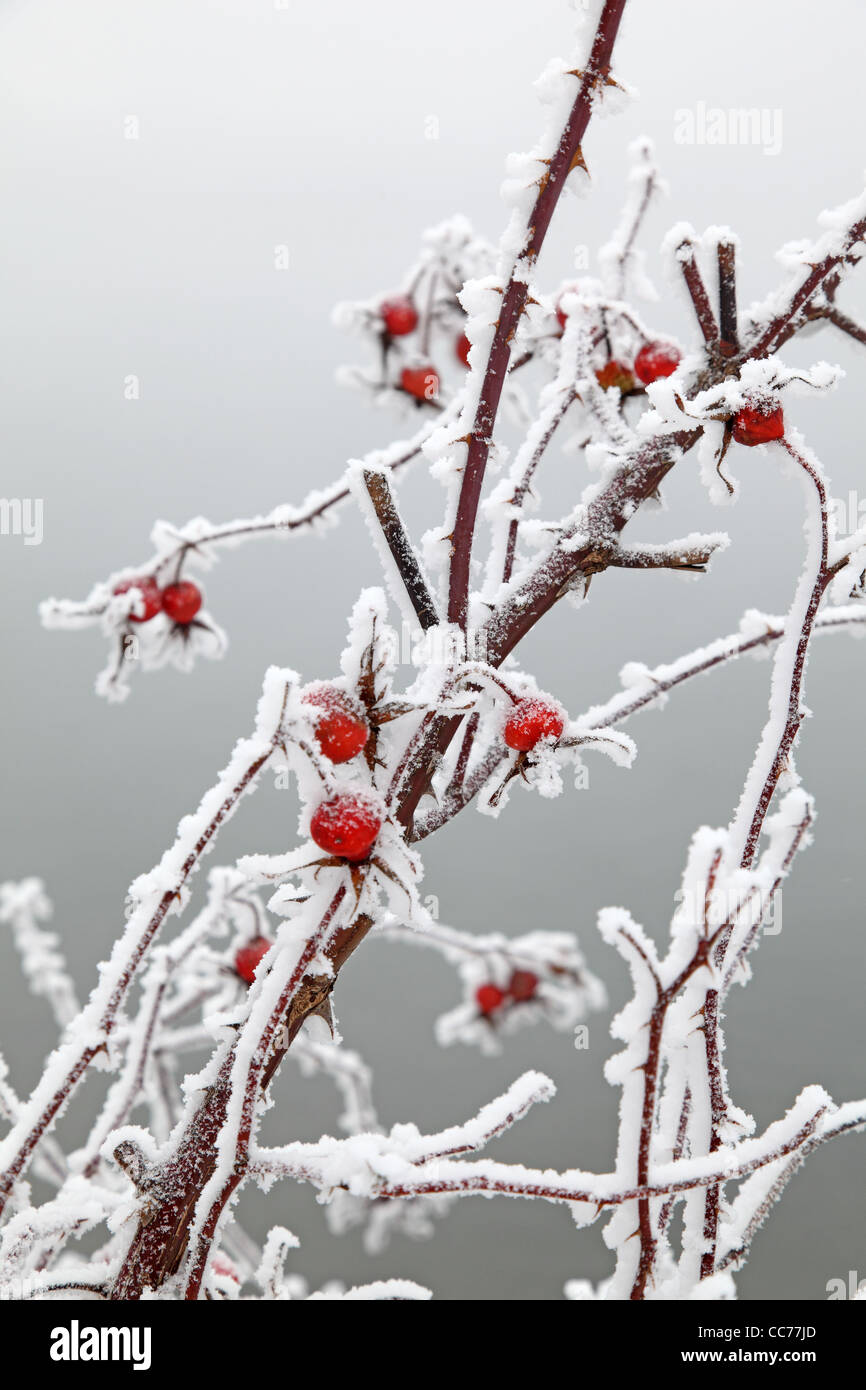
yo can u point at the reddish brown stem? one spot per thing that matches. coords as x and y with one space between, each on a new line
698 294
646 1260
845 324
525 483
510 623
381 497
775 333
513 304
471 1181
158 1247
715 1083
727 255
795 712
107 1022
784 748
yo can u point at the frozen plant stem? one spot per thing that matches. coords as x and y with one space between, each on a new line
90 1033
513 304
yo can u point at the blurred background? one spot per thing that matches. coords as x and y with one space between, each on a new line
308 127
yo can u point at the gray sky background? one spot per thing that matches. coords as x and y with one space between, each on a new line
306 126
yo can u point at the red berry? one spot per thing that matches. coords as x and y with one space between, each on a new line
461 347
756 426
522 985
655 360
248 957
150 597
615 373
182 601
561 315
347 825
531 720
224 1267
489 998
420 382
340 732
399 315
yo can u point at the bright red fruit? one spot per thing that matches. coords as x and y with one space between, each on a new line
182 601
531 720
225 1268
248 957
561 315
420 382
461 347
755 426
347 825
615 373
522 985
399 315
340 732
488 998
654 361
150 594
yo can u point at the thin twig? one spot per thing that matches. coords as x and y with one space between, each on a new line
394 532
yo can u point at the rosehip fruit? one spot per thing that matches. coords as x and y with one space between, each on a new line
225 1268
461 348
522 985
615 373
340 731
655 360
182 601
347 825
399 315
530 721
248 957
150 597
561 315
756 426
489 998
420 382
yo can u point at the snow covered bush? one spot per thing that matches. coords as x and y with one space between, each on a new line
472 339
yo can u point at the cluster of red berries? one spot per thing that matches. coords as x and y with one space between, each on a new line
399 318
530 721
180 601
520 989
756 425
615 373
654 361
348 824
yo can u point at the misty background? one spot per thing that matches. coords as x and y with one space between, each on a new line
307 126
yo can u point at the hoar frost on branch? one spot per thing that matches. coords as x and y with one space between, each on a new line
380 768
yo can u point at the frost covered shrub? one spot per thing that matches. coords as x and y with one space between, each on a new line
379 768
